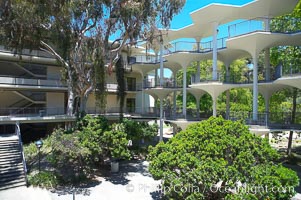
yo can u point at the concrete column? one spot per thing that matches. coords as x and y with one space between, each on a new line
174 129
184 90
267 23
228 104
267 64
214 99
227 92
161 65
214 52
174 102
267 108
174 72
198 41
255 87
142 94
198 72
198 107
156 77
161 119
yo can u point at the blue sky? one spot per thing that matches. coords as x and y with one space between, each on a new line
183 18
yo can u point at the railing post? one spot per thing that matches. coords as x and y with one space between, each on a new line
18 132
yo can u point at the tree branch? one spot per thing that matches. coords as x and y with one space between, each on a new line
50 50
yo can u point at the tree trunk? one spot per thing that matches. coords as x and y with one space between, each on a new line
83 105
70 104
290 139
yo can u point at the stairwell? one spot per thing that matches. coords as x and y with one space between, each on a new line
11 162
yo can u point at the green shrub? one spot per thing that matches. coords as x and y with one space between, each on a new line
46 179
31 153
220 151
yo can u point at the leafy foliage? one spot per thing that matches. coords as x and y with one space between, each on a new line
219 151
137 131
72 155
45 179
115 142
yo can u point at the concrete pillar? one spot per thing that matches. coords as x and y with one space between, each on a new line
197 107
227 92
142 94
174 129
161 119
156 70
184 90
227 104
214 52
267 24
198 43
161 65
198 72
267 64
175 102
267 109
174 72
255 87
214 99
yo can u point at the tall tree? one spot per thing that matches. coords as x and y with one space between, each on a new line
61 27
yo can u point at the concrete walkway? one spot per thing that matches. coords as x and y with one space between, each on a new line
131 183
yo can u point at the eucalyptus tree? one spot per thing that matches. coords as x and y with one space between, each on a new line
77 34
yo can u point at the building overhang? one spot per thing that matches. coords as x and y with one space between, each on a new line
257 41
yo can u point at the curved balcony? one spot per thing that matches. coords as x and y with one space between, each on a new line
194 47
147 59
167 83
274 120
263 24
283 69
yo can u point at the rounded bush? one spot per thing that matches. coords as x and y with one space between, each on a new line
220 159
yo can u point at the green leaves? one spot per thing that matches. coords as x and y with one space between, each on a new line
218 150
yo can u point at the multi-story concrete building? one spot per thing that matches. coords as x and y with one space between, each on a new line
247 33
33 96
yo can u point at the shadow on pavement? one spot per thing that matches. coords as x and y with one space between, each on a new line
126 168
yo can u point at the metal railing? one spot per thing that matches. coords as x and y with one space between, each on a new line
18 133
27 52
32 112
263 24
147 59
194 47
289 68
167 83
146 111
114 86
281 120
30 82
285 68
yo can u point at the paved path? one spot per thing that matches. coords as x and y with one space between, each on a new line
133 182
